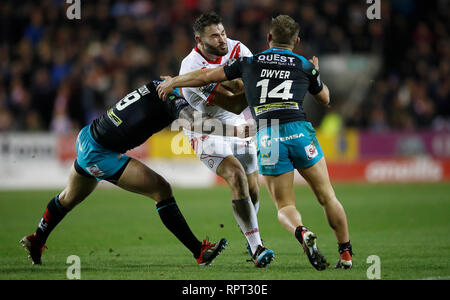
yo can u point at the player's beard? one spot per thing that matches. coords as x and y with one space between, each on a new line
217 51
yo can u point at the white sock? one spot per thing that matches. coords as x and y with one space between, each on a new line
256 205
245 215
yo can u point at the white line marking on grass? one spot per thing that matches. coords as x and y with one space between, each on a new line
435 278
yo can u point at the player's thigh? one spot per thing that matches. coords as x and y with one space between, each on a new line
139 178
210 149
77 189
281 188
319 180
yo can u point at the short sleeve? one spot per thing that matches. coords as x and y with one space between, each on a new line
245 52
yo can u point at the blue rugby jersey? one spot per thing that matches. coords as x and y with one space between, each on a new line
276 82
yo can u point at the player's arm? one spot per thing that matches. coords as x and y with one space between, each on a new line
230 96
323 97
193 79
318 89
204 124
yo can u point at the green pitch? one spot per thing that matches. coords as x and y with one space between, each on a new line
118 235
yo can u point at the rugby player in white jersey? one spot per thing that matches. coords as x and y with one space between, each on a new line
232 158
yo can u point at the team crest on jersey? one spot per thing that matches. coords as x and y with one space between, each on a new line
311 151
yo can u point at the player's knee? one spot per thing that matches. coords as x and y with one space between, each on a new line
237 179
163 190
326 198
69 200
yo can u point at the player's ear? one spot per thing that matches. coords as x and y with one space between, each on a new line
269 38
297 41
197 39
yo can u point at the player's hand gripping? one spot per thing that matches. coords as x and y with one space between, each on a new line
165 88
315 61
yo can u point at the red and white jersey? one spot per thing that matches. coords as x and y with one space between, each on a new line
200 97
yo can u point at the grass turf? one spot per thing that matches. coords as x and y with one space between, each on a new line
118 235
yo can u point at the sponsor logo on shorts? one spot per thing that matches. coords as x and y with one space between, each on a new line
95 171
265 141
288 138
211 163
311 151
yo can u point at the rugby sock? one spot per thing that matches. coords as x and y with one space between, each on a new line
299 231
256 206
345 247
245 215
54 213
173 219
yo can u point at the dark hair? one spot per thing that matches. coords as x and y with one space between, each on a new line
284 30
205 20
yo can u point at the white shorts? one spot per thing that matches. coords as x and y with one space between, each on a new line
212 150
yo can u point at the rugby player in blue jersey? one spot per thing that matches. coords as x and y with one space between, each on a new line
275 83
100 150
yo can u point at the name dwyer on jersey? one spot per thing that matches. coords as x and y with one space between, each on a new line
281 74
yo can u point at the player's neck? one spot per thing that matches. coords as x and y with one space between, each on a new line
278 46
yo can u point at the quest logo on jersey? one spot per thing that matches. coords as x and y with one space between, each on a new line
275 58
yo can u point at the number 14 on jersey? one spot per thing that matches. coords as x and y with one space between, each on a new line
281 91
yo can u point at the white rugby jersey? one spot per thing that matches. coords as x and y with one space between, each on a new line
199 97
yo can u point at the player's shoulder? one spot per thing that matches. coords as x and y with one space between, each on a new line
237 49
306 64
232 42
192 61
192 57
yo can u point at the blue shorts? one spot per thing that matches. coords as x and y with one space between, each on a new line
286 147
96 160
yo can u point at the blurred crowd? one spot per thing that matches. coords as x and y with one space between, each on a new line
58 74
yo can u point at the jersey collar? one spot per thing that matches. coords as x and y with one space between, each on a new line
278 50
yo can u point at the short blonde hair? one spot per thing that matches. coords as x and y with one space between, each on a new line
284 30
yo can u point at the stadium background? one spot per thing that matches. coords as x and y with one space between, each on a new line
389 78
388 130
